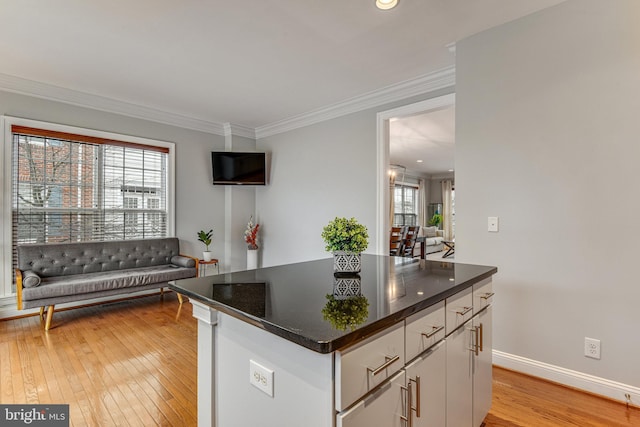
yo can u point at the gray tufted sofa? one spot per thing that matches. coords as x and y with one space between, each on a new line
50 274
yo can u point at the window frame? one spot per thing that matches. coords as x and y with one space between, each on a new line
6 179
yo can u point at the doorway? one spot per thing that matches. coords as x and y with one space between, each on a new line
386 120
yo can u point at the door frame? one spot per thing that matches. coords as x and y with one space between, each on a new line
382 148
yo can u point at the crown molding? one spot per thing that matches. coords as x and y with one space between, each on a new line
69 96
426 83
420 85
239 130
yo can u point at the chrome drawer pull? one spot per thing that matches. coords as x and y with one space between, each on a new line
487 295
389 361
434 330
464 310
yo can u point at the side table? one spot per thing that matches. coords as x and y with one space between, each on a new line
451 248
202 267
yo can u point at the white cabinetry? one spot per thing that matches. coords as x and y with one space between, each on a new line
469 359
384 407
482 367
426 381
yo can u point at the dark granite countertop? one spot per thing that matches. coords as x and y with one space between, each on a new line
288 300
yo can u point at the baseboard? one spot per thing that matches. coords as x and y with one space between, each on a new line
589 383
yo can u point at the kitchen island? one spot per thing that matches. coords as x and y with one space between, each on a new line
281 346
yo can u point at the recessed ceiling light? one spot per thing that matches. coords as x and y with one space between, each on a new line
450 170
419 161
386 4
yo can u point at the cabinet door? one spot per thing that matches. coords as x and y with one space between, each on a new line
426 377
384 407
482 367
460 376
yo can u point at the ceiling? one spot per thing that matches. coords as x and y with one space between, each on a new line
246 62
429 137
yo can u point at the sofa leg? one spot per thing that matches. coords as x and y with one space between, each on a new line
162 292
47 324
179 298
42 312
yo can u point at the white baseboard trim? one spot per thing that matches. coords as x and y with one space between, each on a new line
9 311
589 383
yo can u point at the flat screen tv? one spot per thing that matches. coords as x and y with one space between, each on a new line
235 168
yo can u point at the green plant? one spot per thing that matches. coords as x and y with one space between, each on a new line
344 313
205 238
347 235
436 220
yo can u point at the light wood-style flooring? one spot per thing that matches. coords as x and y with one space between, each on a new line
134 363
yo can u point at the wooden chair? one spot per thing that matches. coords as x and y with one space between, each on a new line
409 240
395 241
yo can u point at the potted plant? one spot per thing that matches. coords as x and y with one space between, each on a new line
346 238
344 313
251 238
206 239
436 220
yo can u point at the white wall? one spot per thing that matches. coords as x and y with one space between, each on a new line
199 205
240 205
546 106
317 173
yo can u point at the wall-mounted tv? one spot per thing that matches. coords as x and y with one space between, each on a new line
235 168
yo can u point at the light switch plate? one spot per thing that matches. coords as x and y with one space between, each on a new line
493 224
261 377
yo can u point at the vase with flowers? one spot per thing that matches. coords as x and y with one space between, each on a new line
251 238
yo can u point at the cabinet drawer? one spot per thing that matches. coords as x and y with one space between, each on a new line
424 329
459 309
382 408
482 295
362 367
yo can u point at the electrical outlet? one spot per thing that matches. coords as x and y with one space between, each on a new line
592 348
261 377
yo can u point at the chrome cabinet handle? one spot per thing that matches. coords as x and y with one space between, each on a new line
475 347
406 417
487 295
464 310
417 408
388 362
434 330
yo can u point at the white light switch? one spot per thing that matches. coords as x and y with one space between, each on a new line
261 377
493 224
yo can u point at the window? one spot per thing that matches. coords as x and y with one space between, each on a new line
405 205
69 187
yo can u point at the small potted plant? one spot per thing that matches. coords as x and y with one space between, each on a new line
436 220
344 313
206 237
346 238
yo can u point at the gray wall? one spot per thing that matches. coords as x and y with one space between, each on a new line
199 205
546 106
317 173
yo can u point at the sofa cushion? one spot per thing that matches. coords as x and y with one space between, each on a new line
65 259
30 279
51 287
183 261
430 231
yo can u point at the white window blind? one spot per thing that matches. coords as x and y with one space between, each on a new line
72 188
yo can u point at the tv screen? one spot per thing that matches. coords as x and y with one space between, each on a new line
234 168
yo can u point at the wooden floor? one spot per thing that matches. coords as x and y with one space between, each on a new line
134 363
